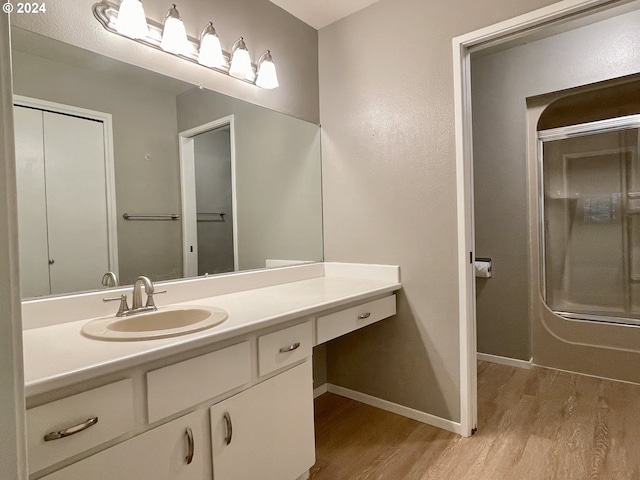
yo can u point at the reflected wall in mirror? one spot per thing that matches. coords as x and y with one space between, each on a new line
265 177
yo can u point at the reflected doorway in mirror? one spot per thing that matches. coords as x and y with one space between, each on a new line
207 171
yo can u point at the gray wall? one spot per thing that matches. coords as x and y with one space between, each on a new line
387 114
13 454
501 83
293 44
319 365
278 178
132 106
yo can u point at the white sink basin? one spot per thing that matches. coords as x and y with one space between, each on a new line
164 322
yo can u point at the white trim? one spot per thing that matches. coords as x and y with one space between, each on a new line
304 476
462 46
321 390
272 263
13 454
588 375
536 19
417 415
109 162
511 362
590 128
466 241
187 182
188 205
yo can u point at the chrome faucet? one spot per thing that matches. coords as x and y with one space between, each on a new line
109 279
136 302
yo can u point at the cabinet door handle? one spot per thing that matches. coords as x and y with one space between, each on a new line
290 348
229 425
67 432
190 445
364 315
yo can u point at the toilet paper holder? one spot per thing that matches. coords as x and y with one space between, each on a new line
482 267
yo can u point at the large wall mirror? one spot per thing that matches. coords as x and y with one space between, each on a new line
127 171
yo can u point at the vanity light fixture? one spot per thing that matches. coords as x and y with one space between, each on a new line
171 37
241 61
174 35
132 21
267 77
210 53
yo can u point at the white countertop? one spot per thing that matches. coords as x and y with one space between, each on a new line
58 355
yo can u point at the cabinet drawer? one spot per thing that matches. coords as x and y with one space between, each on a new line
284 347
112 405
179 386
345 321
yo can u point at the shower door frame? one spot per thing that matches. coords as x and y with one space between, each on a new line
576 131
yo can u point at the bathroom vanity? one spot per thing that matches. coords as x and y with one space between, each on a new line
234 401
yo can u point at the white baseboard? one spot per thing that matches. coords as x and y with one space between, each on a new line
304 476
512 362
439 422
608 379
320 390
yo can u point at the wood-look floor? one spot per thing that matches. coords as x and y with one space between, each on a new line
533 425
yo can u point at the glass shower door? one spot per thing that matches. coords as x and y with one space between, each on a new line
590 211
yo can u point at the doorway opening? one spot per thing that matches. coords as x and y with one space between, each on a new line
207 171
556 18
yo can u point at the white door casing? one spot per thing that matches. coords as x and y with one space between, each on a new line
188 193
462 47
13 454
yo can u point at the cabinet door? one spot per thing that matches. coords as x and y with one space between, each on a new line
266 432
159 454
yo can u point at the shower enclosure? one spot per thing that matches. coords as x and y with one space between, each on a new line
590 220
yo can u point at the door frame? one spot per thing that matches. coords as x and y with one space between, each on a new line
188 193
109 161
463 45
13 454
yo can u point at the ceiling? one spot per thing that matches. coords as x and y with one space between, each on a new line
320 13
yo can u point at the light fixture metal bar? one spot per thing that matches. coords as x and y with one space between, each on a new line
106 13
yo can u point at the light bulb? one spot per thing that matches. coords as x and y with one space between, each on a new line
210 54
240 61
174 35
267 77
131 20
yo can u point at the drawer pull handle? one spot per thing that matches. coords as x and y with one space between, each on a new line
290 348
229 425
364 315
67 432
190 445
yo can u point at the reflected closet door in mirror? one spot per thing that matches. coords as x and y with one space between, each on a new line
66 244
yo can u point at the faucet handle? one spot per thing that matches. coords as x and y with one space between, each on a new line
150 302
124 306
